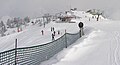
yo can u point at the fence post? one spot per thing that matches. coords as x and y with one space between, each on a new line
81 28
65 39
80 33
15 51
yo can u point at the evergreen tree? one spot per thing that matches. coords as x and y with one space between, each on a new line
2 28
27 19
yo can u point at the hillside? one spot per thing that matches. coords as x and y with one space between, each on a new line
99 46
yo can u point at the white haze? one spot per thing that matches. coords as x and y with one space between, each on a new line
35 8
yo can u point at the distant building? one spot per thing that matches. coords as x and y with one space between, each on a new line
66 16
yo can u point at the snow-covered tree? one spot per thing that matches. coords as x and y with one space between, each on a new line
95 12
10 23
27 19
47 18
2 28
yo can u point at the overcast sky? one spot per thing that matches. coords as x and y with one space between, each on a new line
34 8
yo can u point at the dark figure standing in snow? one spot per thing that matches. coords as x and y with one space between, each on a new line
51 29
58 32
54 33
44 25
89 19
53 37
32 23
42 32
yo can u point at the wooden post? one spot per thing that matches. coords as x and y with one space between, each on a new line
65 39
81 32
16 52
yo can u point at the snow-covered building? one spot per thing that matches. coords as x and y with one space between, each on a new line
65 16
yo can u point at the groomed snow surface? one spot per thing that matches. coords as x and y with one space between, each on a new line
32 35
99 46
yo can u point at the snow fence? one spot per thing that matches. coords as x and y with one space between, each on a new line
36 54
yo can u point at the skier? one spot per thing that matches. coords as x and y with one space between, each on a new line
54 33
89 19
58 32
42 32
32 23
93 17
53 37
51 29
44 24
18 29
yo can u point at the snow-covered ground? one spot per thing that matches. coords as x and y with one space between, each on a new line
32 35
99 46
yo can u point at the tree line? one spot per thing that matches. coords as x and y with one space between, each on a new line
13 23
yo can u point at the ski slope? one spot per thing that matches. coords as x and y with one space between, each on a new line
32 36
99 46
